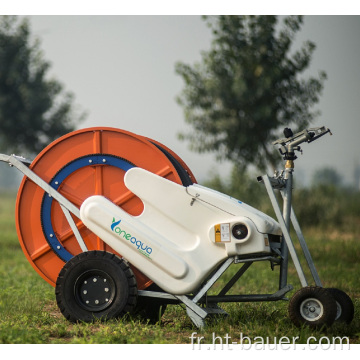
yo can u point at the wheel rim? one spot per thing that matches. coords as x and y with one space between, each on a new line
95 290
311 309
338 310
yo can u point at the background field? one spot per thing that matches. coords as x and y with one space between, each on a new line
29 314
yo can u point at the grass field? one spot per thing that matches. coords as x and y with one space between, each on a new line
29 314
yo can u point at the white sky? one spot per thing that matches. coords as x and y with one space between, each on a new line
122 72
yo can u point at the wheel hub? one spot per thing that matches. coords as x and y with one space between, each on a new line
311 309
95 290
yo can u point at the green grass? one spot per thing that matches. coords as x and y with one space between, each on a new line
29 314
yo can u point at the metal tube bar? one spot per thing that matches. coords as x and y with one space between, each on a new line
287 195
213 279
74 229
285 231
158 295
279 295
191 304
234 279
305 249
40 182
254 259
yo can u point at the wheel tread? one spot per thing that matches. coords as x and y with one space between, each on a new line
321 294
123 265
347 306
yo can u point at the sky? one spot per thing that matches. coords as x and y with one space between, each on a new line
122 72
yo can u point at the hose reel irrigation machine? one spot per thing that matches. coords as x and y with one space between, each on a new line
116 223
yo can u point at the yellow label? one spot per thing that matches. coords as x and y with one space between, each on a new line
217 233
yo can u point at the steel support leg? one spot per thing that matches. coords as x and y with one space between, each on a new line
305 249
285 231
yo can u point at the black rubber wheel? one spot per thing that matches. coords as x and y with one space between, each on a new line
313 306
345 306
150 309
95 285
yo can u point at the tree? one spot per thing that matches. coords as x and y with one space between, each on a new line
326 176
34 110
247 88
241 185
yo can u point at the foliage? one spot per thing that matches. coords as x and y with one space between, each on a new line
241 185
247 87
324 204
34 110
327 176
327 206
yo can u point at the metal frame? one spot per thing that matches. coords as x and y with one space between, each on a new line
284 182
200 305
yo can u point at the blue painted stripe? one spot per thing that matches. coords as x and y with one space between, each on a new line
75 165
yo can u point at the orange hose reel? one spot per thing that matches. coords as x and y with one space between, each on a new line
80 164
